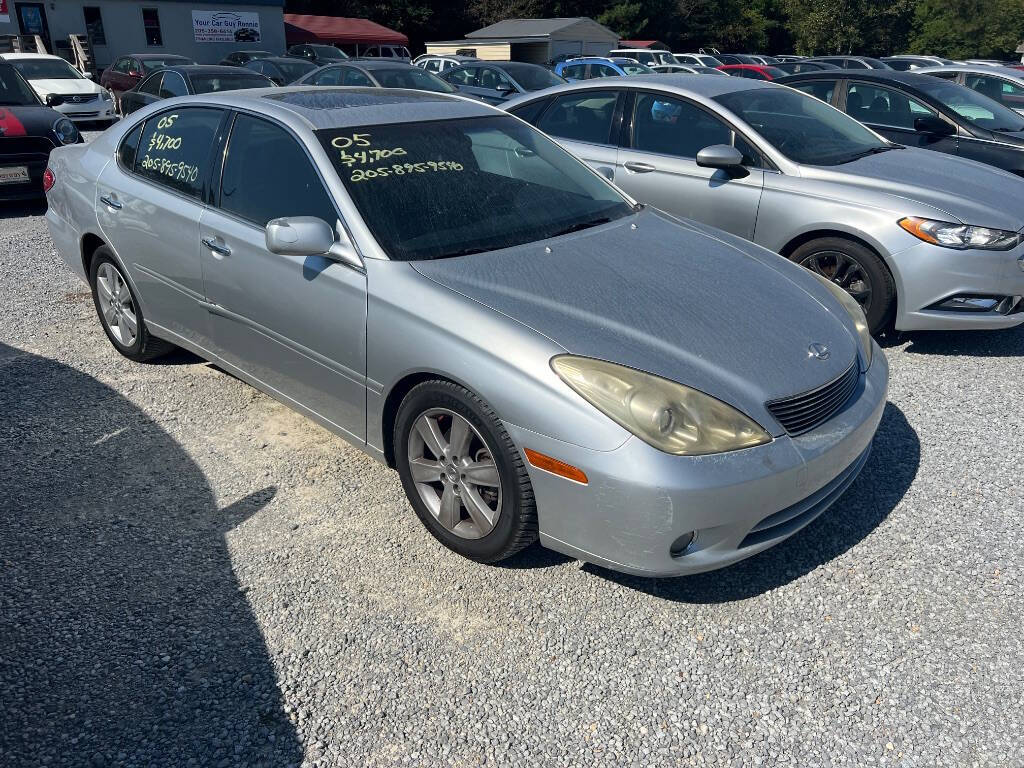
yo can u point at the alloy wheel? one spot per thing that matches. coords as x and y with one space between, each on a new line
455 473
117 305
844 271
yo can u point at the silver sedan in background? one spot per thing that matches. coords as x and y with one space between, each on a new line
922 240
446 288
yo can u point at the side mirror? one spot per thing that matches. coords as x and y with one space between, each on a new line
54 99
135 73
933 124
310 236
720 156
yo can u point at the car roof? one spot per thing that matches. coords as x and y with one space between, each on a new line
371 65
700 85
150 56
979 68
15 56
285 59
208 69
911 79
331 107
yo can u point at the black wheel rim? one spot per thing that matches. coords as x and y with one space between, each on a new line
844 271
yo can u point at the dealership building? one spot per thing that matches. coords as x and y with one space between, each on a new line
200 29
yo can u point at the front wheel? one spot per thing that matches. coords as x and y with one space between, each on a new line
119 311
857 270
462 473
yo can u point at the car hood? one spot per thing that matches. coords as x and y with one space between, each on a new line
655 294
27 121
967 191
65 86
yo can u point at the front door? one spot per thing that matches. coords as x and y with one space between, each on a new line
892 113
585 123
32 21
297 325
659 165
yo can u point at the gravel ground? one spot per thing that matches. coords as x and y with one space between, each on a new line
191 574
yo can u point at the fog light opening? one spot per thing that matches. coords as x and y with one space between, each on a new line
680 545
965 302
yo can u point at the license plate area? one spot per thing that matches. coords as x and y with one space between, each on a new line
14 174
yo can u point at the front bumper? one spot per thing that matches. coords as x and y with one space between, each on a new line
639 500
90 111
928 275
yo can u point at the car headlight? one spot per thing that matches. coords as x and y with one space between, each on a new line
65 131
106 95
856 313
959 236
671 417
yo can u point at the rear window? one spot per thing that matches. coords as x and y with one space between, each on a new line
229 82
152 65
414 78
533 78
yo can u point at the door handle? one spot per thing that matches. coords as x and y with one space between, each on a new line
111 203
216 247
639 167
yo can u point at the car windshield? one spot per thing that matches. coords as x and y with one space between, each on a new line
14 91
229 82
152 65
414 78
444 188
801 127
293 70
328 52
533 78
46 69
974 107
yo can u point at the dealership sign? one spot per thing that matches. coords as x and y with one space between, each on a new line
224 26
4 12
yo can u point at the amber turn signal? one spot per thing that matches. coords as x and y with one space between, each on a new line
556 467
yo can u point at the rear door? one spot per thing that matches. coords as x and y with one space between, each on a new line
658 164
148 92
149 202
892 112
297 325
587 124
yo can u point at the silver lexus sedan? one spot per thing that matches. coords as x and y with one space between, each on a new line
922 240
452 292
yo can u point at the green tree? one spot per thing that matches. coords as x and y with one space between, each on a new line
967 28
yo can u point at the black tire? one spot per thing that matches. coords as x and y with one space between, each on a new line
516 524
870 272
145 345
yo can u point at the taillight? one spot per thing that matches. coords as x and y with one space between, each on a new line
48 180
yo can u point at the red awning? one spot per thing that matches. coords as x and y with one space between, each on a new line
303 28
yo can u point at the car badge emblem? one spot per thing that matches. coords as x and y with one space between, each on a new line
818 350
76 99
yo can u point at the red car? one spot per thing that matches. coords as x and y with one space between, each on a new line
127 72
752 71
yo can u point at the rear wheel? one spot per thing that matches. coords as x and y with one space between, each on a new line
462 473
857 270
119 311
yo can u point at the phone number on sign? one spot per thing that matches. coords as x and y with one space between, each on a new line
401 169
175 170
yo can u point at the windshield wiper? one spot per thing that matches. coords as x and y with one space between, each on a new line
872 151
580 225
463 252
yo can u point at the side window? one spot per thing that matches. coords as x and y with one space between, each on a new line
530 112
494 79
129 147
821 89
434 65
121 65
268 175
583 116
175 148
152 85
854 64
575 71
602 70
466 76
332 76
673 127
883 106
751 157
1003 91
172 85
356 78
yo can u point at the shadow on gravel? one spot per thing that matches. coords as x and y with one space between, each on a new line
1007 343
884 480
124 636
21 208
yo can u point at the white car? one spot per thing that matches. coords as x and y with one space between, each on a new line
64 88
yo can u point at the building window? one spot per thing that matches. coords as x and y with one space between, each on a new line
94 25
151 25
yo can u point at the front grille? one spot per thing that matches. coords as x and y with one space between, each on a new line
792 519
82 98
803 412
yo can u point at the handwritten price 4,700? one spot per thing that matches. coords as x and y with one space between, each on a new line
360 174
370 155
